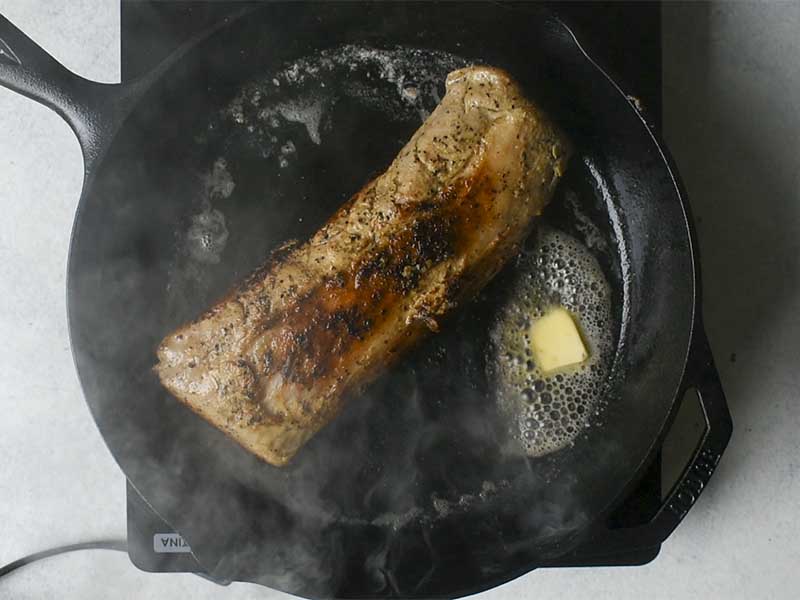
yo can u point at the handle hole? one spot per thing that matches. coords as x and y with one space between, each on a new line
684 438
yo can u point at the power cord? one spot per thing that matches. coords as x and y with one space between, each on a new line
118 545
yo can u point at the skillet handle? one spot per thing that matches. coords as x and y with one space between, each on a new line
701 375
92 110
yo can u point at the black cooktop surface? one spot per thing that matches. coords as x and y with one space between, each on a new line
623 36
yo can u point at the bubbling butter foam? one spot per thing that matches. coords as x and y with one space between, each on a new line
547 413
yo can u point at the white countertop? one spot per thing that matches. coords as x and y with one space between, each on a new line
732 117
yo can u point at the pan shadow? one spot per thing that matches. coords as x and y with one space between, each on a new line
732 129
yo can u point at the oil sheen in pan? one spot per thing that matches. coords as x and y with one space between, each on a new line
547 414
402 83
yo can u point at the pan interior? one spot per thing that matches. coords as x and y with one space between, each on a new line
427 441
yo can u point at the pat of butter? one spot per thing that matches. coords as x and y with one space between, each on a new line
556 342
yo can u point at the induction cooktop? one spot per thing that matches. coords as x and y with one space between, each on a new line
151 30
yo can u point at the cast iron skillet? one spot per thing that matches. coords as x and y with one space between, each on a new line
354 514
